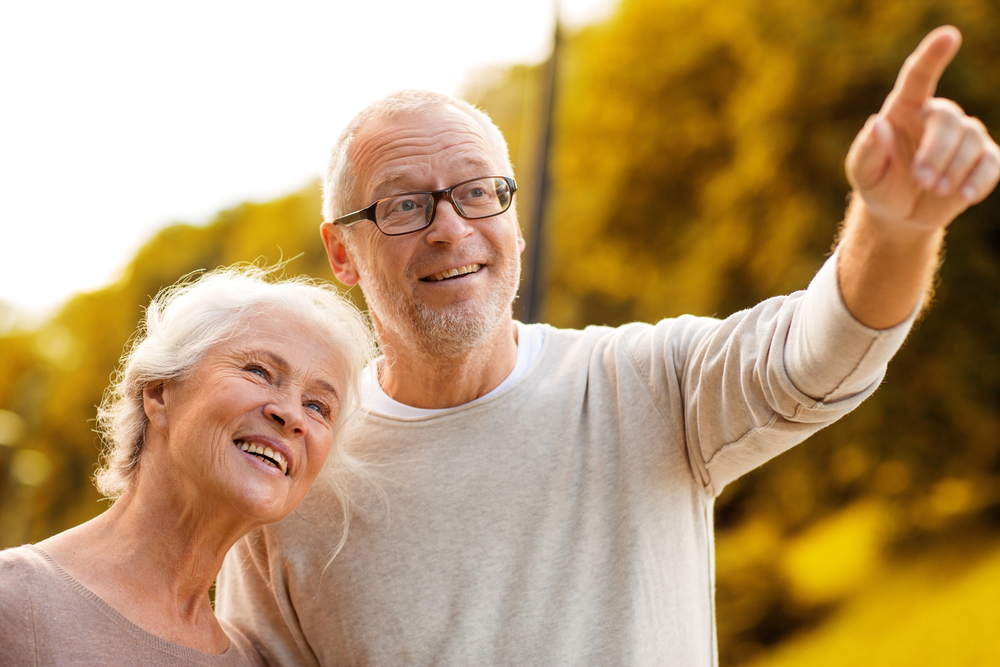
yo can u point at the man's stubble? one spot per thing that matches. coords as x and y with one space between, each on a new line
448 332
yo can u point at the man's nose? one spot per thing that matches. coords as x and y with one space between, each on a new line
448 226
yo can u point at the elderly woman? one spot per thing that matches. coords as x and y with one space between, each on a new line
224 412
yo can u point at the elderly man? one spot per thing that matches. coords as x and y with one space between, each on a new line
544 497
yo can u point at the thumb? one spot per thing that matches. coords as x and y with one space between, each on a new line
870 154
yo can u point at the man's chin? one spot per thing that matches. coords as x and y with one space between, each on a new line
449 329
456 329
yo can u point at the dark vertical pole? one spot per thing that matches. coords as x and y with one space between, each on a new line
533 290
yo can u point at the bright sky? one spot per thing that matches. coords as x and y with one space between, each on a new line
120 117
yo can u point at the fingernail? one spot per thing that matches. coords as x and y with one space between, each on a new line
925 176
969 193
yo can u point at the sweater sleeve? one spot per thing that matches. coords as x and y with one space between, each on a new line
751 386
252 595
829 354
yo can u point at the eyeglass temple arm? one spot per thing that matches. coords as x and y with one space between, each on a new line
354 218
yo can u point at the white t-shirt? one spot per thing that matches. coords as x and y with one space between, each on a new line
529 346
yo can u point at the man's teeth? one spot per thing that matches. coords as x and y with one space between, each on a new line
265 454
451 273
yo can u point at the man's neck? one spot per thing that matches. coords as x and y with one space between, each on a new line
421 378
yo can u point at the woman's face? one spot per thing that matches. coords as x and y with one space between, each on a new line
252 427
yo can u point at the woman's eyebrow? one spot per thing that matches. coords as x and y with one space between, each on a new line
275 359
328 388
281 364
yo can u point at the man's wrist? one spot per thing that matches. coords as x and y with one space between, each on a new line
885 267
890 230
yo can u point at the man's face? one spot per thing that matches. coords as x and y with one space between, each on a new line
404 277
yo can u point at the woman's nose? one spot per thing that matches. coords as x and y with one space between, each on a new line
286 412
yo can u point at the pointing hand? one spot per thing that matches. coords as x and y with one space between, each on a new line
921 160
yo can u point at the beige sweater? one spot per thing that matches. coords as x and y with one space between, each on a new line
49 618
566 519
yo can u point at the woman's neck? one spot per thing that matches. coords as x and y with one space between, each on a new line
153 559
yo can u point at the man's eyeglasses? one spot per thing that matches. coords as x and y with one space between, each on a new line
412 211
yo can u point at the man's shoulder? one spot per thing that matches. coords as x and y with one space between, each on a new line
593 337
592 334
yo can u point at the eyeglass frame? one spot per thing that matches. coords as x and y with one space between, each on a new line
368 213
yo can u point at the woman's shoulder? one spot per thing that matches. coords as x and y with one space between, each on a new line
27 553
22 569
27 575
20 565
33 586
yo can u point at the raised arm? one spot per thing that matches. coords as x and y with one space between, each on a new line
914 167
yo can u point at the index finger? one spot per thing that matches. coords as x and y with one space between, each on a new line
919 76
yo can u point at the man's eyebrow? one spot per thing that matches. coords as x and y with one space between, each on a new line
383 187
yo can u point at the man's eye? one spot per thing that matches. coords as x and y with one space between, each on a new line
404 206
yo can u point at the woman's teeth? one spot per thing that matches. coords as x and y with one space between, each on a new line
451 273
265 454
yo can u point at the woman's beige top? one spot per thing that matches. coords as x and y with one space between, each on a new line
49 618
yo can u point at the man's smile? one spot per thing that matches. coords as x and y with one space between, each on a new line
452 273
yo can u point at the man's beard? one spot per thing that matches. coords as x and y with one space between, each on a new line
452 331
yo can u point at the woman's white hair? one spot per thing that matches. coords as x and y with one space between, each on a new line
187 319
340 182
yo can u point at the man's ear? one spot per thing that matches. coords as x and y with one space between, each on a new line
340 259
520 240
154 402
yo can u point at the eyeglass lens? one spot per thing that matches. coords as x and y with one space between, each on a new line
480 198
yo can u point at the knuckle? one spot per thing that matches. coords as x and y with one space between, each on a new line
991 161
976 125
991 154
944 111
984 175
952 107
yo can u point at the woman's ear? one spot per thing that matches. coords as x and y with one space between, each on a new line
154 402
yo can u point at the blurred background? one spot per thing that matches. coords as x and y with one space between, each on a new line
696 166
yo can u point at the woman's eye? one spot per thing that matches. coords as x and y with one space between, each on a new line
258 371
318 407
405 206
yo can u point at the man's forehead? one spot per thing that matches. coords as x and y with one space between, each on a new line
392 152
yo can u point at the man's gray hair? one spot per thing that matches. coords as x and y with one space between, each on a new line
341 180
184 321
